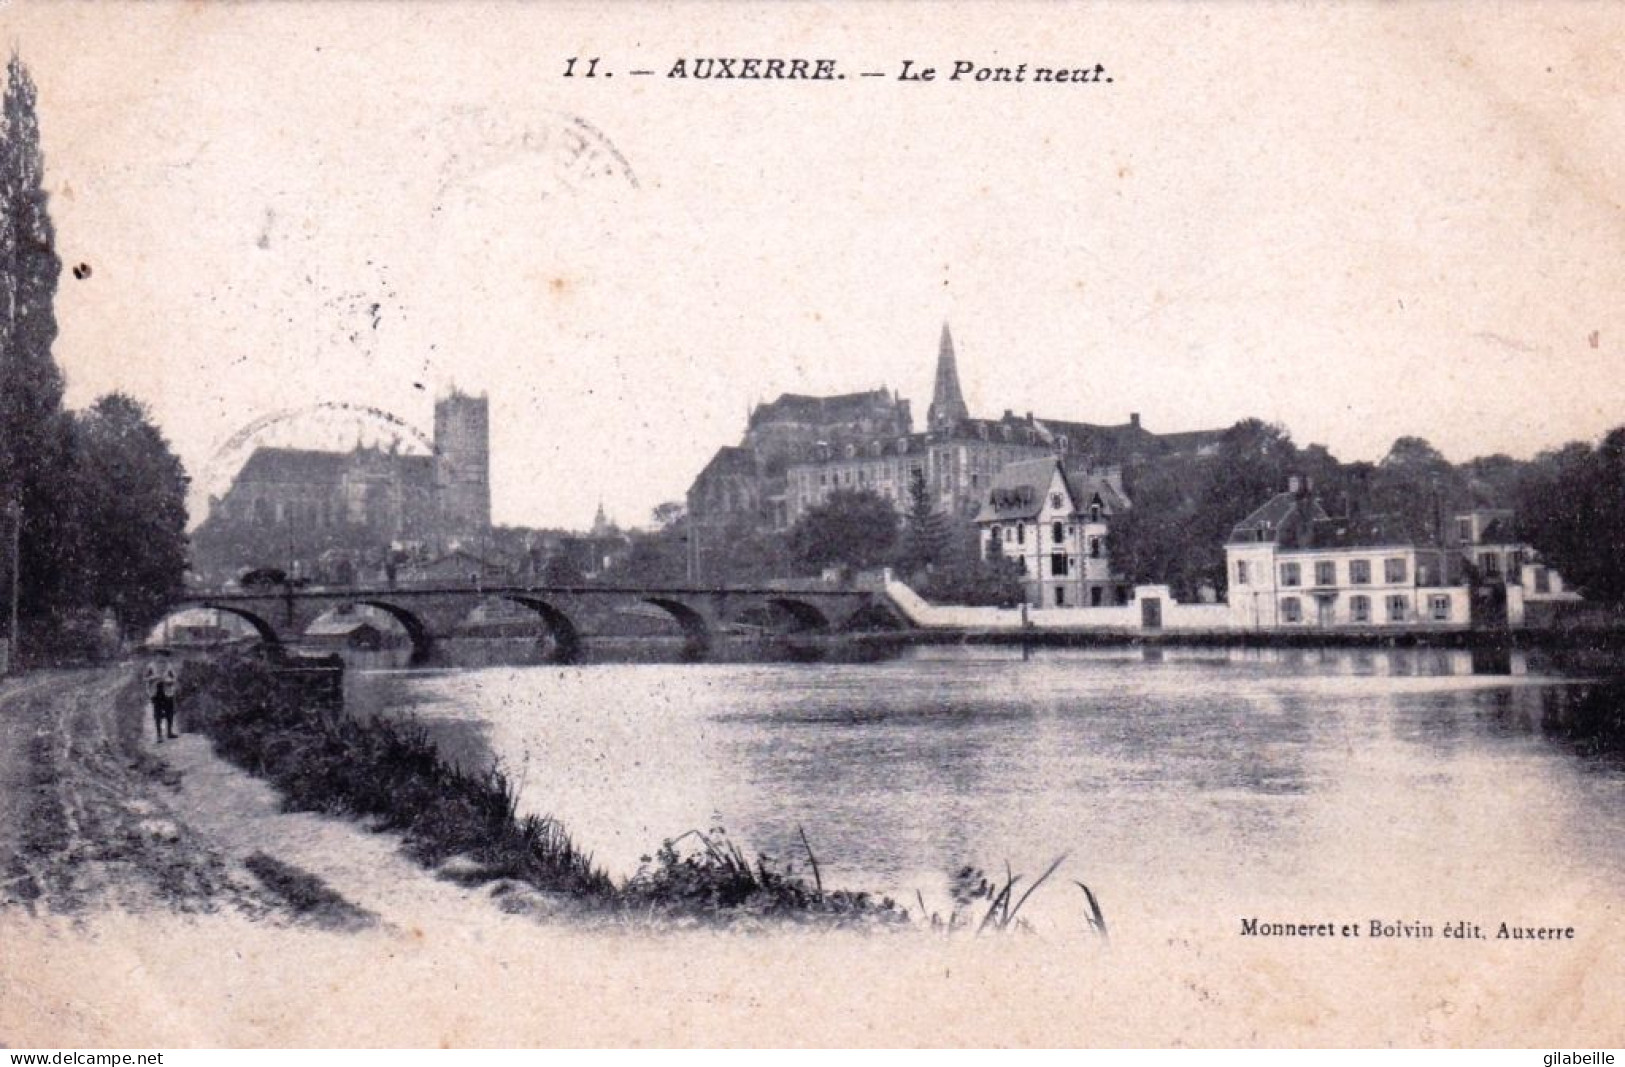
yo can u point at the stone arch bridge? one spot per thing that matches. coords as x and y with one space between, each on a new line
572 615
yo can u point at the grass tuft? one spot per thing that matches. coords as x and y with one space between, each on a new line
274 723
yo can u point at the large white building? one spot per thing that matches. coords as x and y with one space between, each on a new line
1055 525
1291 565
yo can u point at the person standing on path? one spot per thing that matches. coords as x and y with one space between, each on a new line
163 680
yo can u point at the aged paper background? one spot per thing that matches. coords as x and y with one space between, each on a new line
1359 220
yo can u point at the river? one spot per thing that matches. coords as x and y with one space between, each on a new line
1190 788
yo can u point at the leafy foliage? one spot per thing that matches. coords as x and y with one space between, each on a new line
101 496
856 528
1571 507
134 500
35 435
926 535
963 576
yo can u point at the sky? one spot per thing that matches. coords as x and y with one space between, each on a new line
1359 221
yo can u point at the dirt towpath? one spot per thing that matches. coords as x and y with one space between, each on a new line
94 813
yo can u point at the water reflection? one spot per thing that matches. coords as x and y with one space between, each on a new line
1190 779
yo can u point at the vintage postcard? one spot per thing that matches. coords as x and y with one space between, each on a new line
822 524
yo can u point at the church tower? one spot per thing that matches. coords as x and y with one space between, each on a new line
947 402
462 466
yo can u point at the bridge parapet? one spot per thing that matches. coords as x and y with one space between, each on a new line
572 615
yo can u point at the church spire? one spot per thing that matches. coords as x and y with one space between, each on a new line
947 402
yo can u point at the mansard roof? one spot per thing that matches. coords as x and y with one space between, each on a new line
1020 488
1100 442
1088 488
1361 531
1281 519
822 410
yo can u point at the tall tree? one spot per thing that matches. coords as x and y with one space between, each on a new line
856 528
133 506
1415 482
1571 508
35 435
926 531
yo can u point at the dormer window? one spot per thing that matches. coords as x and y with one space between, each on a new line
1055 500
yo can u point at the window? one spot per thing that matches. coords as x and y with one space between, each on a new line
1490 564
1060 596
1291 574
1094 512
1021 561
1021 533
1393 570
1009 533
1397 606
1058 532
1241 572
1440 606
1360 609
1543 580
1291 609
1096 596
1057 564
1359 572
1055 501
1464 530
1094 548
1325 572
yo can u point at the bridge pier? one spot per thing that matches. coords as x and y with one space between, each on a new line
571 615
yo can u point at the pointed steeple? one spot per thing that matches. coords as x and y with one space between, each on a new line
947 402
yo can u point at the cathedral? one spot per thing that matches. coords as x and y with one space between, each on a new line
798 450
290 508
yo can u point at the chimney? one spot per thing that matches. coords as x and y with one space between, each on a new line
1134 419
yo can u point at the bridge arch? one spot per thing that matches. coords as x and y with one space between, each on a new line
566 635
875 615
696 631
266 631
807 617
422 640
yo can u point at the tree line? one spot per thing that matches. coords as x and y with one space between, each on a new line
852 530
94 500
1568 504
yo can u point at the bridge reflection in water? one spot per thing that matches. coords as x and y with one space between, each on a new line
572 616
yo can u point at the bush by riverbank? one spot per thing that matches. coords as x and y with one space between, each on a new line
283 722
